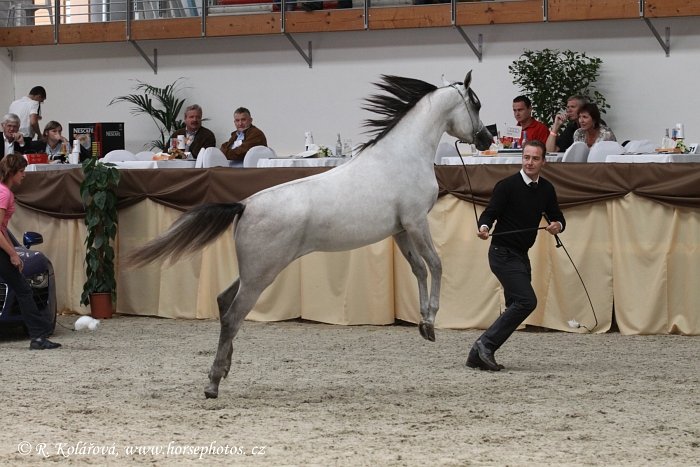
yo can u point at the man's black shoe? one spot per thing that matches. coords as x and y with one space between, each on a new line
42 343
473 360
486 357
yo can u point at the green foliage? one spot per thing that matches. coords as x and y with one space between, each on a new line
162 105
550 76
98 191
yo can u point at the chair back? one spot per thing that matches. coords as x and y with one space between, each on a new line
642 146
144 156
119 155
444 149
577 152
256 153
599 151
211 157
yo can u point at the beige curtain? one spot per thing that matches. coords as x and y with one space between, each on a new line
640 253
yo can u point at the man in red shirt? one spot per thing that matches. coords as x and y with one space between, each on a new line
522 111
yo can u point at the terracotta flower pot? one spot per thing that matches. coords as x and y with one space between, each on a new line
101 305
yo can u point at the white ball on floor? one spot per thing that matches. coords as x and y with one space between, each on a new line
86 322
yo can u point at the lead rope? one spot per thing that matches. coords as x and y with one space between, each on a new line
559 244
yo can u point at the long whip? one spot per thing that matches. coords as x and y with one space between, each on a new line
573 323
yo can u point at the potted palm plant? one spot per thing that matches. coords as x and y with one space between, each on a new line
161 104
98 191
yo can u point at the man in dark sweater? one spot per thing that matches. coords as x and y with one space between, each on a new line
518 202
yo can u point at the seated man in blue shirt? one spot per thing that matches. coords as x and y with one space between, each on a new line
245 137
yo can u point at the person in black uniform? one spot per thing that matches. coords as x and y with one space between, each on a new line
518 202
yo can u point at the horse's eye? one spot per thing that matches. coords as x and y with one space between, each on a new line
475 100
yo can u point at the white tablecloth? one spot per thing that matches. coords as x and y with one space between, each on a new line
47 167
641 158
475 160
302 162
174 164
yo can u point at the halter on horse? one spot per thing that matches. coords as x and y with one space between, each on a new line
386 190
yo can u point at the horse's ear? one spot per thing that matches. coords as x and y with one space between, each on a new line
444 81
468 79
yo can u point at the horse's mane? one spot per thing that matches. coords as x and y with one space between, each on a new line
407 92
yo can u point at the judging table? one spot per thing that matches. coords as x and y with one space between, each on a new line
652 158
476 160
170 164
302 162
618 221
50 167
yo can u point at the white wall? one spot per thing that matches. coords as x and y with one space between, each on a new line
647 91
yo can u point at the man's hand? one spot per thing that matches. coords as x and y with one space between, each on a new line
483 233
553 228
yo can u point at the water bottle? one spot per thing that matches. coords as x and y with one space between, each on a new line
524 140
309 140
666 141
74 157
338 147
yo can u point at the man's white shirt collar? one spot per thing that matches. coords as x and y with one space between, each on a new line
527 179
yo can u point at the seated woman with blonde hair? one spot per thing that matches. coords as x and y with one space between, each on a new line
591 128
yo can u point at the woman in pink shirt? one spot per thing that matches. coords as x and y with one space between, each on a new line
11 174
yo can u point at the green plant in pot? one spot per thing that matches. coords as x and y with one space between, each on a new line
550 76
161 104
98 191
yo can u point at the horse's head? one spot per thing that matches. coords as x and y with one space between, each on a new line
466 124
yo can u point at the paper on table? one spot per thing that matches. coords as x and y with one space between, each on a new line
310 153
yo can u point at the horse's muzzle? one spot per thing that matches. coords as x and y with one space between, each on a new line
483 139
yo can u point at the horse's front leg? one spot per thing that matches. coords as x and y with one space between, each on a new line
419 235
419 270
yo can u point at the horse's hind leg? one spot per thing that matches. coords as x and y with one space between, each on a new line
419 234
225 298
245 291
231 319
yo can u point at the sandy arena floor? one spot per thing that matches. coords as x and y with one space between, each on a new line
300 393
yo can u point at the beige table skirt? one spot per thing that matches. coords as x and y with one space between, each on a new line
639 254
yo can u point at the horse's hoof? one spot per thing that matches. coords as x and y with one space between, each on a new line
427 331
211 392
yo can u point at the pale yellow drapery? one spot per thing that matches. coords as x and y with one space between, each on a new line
642 253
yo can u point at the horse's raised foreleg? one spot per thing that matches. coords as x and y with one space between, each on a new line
419 234
419 270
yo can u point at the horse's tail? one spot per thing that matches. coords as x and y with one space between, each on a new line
189 233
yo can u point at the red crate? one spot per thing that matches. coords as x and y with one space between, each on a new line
40 158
